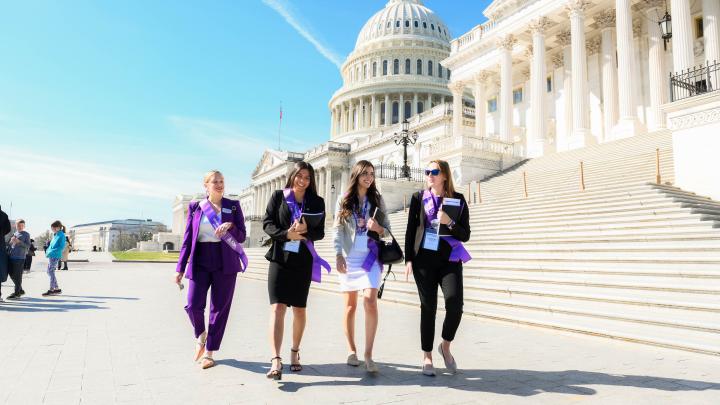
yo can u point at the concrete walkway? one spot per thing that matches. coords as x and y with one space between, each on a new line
119 334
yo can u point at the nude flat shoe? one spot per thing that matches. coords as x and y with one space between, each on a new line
352 360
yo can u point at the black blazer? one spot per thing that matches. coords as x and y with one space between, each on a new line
416 227
278 220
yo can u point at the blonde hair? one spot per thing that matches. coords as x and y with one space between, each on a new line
445 169
209 175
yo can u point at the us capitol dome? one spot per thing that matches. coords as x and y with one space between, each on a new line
394 72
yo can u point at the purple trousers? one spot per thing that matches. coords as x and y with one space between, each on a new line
208 275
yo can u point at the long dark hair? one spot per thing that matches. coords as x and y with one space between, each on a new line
312 188
350 199
58 224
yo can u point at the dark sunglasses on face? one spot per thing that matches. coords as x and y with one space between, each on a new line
433 172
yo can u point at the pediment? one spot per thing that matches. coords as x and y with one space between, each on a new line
269 160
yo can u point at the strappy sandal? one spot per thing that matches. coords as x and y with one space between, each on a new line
200 349
207 362
296 368
275 373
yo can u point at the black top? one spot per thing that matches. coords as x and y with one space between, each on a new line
416 228
278 220
5 227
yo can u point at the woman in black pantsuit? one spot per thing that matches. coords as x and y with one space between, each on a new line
291 258
437 260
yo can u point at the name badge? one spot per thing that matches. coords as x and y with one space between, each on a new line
226 211
292 246
361 241
452 202
431 240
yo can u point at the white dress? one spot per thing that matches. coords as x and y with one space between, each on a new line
356 278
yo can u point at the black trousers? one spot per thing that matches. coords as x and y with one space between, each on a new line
429 274
16 273
28 262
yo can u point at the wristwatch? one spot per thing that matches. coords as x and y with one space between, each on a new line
451 224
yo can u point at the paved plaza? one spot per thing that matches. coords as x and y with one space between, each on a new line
119 334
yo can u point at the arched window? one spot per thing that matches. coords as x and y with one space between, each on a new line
396 67
395 112
357 73
424 24
440 75
418 68
432 27
416 24
389 24
420 107
397 24
374 72
430 72
382 113
407 66
408 110
448 74
407 23
365 71
385 63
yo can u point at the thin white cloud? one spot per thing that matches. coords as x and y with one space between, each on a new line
282 8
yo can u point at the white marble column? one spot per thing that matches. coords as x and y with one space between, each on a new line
479 90
656 62
505 47
388 110
606 21
343 181
429 102
373 112
711 30
401 108
342 118
538 75
561 141
328 195
414 104
628 123
581 123
457 89
682 35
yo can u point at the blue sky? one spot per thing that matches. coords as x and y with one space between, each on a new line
108 109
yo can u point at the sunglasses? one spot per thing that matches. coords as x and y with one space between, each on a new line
433 172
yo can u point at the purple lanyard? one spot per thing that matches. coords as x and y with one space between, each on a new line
318 262
215 221
295 214
458 252
431 211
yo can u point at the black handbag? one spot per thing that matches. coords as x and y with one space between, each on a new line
390 252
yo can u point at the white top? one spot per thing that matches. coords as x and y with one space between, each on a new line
206 233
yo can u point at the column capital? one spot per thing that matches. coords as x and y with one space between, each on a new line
481 76
558 60
507 42
593 45
577 7
526 74
605 19
637 27
538 25
564 38
529 51
457 88
650 4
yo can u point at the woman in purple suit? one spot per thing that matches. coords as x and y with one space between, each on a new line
210 258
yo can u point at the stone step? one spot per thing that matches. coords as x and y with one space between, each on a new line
582 213
662 273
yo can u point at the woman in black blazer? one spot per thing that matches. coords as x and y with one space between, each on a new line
435 258
293 260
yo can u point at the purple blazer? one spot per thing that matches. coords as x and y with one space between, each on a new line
230 259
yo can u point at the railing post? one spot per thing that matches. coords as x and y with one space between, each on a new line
469 194
479 196
405 202
582 177
658 180
525 183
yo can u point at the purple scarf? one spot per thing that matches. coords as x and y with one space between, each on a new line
295 214
214 220
458 252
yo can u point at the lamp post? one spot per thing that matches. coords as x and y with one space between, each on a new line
666 27
405 138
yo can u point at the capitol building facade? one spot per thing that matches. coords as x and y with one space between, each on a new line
538 78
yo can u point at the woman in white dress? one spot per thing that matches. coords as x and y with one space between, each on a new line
358 263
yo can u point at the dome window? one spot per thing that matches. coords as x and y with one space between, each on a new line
407 23
418 68
385 68
407 66
416 24
430 68
396 67
424 24
374 69
397 24
389 24
440 75
432 26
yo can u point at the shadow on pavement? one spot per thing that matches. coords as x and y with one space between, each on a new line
48 305
101 298
510 382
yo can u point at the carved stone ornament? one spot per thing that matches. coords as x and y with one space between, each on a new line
654 3
481 76
695 119
507 42
577 7
605 19
637 27
526 74
558 60
593 46
563 38
457 88
538 26
529 51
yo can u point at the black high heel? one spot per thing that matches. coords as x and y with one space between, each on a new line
296 368
275 374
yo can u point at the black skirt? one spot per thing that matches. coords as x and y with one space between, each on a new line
289 283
